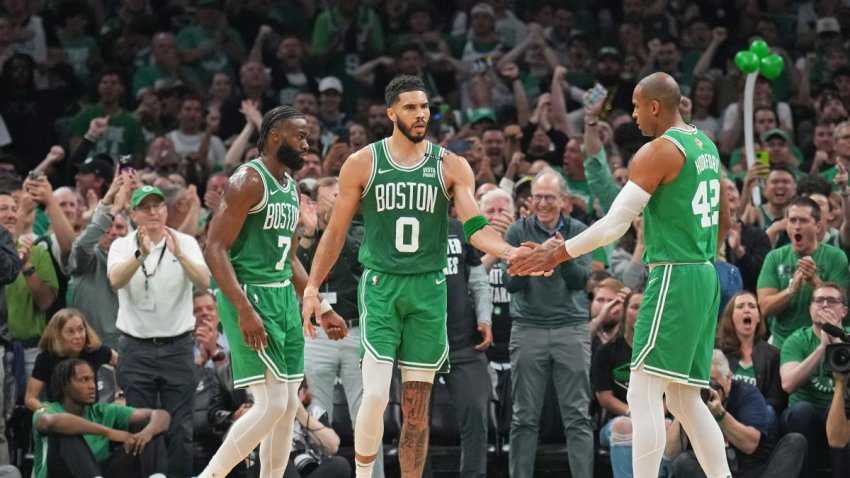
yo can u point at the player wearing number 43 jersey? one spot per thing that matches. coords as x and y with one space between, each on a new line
677 178
403 184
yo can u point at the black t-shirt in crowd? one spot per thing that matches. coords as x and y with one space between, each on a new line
501 316
612 368
461 322
45 363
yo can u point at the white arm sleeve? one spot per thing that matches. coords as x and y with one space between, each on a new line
627 205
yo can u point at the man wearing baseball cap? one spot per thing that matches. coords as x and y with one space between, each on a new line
154 271
95 173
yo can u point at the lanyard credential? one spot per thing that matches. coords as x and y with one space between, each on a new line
158 262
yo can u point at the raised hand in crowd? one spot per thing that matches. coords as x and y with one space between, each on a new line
97 126
502 222
206 339
53 157
25 244
336 155
308 219
252 113
212 199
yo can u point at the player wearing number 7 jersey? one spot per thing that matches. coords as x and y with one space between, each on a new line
403 184
250 255
677 178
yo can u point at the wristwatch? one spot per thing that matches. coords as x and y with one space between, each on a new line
28 271
139 257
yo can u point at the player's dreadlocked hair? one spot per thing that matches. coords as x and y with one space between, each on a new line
402 84
62 376
281 113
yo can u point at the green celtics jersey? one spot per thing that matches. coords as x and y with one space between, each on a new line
260 254
680 221
405 214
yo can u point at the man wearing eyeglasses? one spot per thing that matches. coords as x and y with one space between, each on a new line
804 378
154 271
549 336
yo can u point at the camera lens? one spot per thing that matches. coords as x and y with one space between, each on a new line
305 463
841 357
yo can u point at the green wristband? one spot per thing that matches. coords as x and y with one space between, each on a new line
473 225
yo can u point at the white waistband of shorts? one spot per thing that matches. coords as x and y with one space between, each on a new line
272 285
656 264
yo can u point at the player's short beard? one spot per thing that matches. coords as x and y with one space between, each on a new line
290 157
408 133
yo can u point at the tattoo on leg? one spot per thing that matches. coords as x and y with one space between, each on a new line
413 444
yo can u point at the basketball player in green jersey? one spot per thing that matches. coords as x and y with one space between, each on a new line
677 178
404 185
250 254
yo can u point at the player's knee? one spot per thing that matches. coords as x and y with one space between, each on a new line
374 399
621 431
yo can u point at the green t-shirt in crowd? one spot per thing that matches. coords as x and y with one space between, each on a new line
818 388
26 322
112 416
370 44
123 133
79 53
745 373
41 224
829 175
195 36
776 273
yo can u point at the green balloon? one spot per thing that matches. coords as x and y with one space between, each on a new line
771 66
747 61
760 48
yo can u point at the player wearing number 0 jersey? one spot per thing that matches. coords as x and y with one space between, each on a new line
405 214
403 184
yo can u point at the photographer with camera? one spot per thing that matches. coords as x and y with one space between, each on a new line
805 378
746 421
314 442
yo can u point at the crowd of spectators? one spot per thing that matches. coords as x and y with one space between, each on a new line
121 121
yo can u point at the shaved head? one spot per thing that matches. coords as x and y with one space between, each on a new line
661 87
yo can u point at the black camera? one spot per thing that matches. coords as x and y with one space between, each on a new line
837 359
305 463
705 394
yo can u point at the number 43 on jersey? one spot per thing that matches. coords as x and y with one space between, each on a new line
706 201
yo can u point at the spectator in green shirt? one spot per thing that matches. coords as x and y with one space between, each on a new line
27 297
77 437
211 46
803 375
792 272
123 133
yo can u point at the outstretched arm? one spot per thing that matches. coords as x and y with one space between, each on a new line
461 185
654 164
